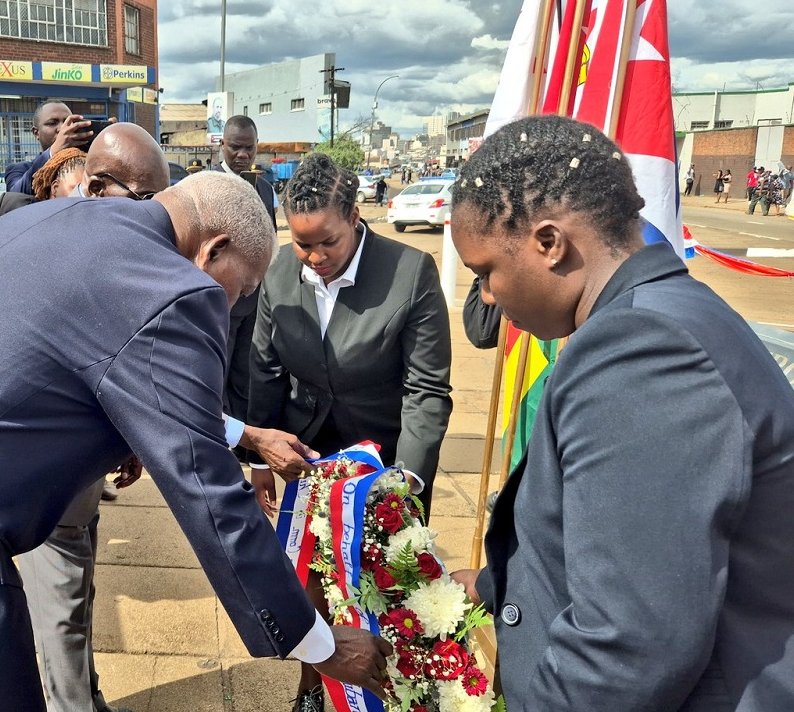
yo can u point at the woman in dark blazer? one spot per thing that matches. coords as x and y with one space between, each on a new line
352 339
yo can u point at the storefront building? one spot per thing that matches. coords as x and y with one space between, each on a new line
98 56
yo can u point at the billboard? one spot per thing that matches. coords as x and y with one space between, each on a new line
220 105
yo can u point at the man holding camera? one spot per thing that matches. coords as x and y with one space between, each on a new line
56 128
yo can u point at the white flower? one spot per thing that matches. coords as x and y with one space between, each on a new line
440 606
452 697
421 539
321 528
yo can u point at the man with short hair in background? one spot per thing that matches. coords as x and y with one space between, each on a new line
238 151
56 128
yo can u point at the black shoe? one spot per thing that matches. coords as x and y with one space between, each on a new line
101 706
310 700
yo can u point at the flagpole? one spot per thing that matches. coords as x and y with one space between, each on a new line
620 82
490 438
574 58
541 48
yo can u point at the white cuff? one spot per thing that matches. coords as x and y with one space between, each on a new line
234 430
258 466
417 484
317 645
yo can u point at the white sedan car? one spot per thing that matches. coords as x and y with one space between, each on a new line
366 189
424 203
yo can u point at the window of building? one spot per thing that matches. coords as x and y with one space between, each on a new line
723 124
296 105
695 125
245 111
132 25
266 108
81 22
770 122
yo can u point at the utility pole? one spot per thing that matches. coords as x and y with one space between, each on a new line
332 70
372 119
223 45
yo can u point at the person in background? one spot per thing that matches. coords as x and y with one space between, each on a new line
56 128
381 191
752 181
690 179
718 186
726 186
238 149
59 176
625 570
195 166
351 343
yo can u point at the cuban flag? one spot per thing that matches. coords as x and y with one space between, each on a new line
645 129
644 126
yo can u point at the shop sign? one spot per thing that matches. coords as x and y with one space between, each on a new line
65 72
135 94
123 74
149 96
13 71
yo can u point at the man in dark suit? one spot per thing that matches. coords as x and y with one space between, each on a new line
239 145
125 351
640 557
56 128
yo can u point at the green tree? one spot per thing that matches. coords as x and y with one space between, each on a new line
346 152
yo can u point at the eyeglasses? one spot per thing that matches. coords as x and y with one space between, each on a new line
132 193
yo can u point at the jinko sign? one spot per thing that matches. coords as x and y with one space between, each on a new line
59 72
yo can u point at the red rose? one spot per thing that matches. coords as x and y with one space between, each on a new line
409 660
383 579
371 557
429 566
447 660
390 518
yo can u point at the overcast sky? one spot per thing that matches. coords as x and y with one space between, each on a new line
448 53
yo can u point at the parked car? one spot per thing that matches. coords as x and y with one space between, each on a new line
450 174
177 172
366 188
424 203
385 172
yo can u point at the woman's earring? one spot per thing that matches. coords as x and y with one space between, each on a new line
553 263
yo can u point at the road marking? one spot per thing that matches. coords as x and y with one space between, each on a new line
754 222
763 237
771 323
768 252
695 225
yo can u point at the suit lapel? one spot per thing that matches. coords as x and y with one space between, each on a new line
311 318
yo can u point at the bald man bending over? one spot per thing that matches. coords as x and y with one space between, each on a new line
123 161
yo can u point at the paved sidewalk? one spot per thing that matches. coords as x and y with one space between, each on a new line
164 643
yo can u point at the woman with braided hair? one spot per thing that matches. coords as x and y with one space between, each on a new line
351 343
58 177
639 558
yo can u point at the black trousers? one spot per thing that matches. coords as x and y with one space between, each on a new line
238 371
20 685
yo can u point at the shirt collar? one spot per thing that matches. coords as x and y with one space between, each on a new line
226 168
348 277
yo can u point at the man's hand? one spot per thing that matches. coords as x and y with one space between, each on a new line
74 133
265 489
282 451
359 659
468 577
129 472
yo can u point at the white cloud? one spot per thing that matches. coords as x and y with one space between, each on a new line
448 53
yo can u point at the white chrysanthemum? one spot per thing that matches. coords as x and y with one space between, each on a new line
440 606
321 528
421 539
452 697
389 481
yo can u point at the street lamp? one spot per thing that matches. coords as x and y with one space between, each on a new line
372 120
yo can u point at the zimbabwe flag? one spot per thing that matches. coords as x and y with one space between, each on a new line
540 360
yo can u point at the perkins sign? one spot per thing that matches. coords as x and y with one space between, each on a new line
122 74
58 72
